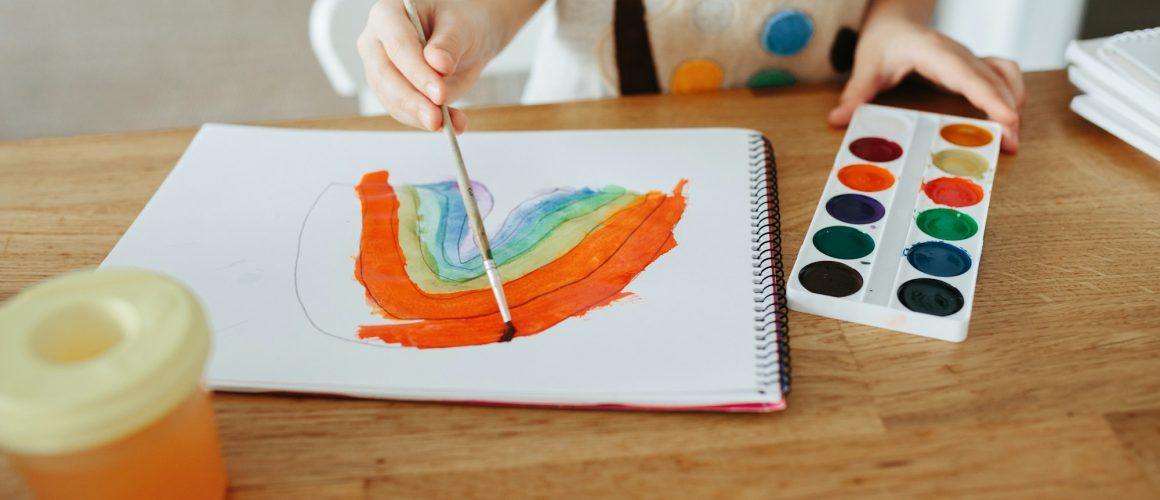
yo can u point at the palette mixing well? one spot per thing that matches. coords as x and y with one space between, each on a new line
898 235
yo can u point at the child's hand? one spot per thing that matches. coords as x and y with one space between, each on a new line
890 48
412 81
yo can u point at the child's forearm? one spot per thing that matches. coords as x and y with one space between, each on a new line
918 11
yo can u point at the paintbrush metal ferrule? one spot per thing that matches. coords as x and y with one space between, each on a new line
497 287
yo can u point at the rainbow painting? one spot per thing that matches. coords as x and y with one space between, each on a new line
561 253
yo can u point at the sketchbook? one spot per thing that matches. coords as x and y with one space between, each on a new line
643 267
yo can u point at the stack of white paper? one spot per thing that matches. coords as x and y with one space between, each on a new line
1120 76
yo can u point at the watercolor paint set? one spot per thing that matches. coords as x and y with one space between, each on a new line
898 235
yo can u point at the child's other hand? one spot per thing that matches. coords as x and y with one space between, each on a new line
892 48
412 81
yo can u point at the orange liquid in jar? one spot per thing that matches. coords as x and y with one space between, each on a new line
176 457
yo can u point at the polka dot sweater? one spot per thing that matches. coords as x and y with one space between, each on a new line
605 48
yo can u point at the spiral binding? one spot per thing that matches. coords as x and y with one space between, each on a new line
772 327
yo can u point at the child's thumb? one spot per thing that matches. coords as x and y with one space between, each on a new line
444 49
860 89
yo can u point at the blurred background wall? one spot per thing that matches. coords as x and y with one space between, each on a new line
93 66
99 66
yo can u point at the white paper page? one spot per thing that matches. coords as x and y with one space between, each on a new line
229 220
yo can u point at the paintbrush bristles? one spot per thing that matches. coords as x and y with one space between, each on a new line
509 332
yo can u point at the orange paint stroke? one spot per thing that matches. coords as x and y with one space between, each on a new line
592 274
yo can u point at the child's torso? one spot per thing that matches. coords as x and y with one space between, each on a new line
698 45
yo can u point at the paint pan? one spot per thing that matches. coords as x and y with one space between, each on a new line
897 237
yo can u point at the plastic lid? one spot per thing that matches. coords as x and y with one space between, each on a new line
89 357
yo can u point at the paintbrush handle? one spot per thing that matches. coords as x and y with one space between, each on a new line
472 208
413 15
468 194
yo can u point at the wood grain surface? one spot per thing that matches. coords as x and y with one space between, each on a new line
1055 393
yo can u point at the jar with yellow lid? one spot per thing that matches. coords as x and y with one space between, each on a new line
100 389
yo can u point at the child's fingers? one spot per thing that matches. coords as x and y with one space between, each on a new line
1008 119
458 120
400 99
977 82
1010 72
394 30
1008 116
863 85
980 84
446 46
988 85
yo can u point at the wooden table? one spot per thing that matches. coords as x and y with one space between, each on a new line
1056 391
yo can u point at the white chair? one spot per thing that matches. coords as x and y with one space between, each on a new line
1032 32
336 24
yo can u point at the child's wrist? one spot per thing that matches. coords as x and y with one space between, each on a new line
514 15
902 12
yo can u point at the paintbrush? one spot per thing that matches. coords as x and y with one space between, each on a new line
473 217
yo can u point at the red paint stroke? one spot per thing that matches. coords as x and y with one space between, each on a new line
592 274
953 192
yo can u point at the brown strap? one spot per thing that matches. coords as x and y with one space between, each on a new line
634 58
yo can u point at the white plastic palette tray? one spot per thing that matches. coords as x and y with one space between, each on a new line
898 235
